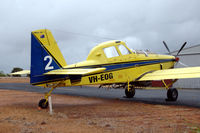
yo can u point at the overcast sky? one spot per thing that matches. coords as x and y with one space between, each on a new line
79 25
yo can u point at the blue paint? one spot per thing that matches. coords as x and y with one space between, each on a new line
38 64
132 64
45 78
42 36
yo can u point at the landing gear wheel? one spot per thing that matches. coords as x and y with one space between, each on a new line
172 94
130 93
43 104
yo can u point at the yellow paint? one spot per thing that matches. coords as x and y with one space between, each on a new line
21 72
50 44
76 71
176 73
132 73
97 57
166 86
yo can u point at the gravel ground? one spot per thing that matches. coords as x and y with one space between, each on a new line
14 80
19 114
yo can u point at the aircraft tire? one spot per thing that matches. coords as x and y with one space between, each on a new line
130 93
42 104
172 94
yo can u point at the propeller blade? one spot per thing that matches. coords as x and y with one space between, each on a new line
181 63
181 48
166 47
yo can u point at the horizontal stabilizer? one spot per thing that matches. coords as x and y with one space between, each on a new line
177 73
78 71
21 72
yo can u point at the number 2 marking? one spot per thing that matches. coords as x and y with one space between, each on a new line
48 67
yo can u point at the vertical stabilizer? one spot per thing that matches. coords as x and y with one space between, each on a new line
45 56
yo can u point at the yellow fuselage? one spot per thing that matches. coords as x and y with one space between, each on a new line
119 69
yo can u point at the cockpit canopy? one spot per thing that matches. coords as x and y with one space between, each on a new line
109 50
113 52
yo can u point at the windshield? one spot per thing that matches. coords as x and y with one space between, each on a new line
123 50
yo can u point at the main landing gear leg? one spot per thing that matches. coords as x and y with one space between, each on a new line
43 103
172 93
129 91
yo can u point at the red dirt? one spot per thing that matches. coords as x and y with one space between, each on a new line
14 80
19 113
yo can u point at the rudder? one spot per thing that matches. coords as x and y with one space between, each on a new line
45 56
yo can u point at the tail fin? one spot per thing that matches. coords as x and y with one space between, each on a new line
45 55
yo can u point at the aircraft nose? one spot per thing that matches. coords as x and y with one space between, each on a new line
176 59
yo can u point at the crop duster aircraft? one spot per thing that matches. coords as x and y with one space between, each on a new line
110 62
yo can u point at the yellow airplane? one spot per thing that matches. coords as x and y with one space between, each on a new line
110 62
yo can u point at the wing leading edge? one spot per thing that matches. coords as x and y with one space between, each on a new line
176 73
75 71
21 72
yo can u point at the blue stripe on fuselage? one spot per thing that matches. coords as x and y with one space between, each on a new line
125 65
113 67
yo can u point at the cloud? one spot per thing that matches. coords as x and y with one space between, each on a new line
133 43
80 25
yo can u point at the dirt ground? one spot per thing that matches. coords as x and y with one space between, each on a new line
72 114
14 80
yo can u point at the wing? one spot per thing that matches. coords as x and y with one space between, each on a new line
75 71
21 72
176 73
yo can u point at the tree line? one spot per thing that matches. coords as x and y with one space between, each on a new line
15 69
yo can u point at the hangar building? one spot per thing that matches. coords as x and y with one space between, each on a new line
191 57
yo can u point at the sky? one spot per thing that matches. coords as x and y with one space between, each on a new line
79 25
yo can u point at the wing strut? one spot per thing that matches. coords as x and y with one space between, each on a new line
172 93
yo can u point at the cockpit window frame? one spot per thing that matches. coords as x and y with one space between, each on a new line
121 52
